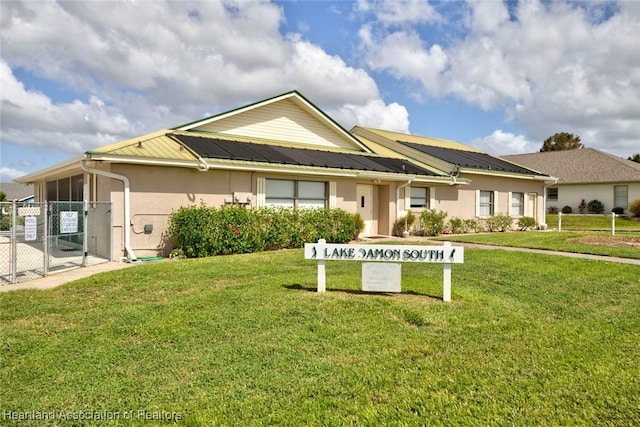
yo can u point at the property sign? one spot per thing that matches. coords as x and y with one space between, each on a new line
446 255
389 253
381 277
30 228
68 222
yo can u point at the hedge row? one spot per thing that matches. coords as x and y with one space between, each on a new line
200 231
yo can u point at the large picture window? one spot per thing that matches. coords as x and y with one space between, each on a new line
517 204
419 197
486 203
296 194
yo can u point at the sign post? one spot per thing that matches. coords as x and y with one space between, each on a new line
446 255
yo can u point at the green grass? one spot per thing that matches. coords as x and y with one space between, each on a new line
565 241
245 340
593 223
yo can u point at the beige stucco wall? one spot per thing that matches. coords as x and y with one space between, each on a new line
572 195
460 201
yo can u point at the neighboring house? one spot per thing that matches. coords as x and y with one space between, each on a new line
585 174
282 151
17 192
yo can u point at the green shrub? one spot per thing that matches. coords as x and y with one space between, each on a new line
595 206
618 210
526 222
634 207
5 223
199 231
567 210
404 224
500 222
457 226
473 225
359 225
432 222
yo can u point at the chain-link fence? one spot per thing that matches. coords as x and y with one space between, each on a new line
38 238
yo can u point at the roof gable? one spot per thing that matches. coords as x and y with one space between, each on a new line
288 118
585 165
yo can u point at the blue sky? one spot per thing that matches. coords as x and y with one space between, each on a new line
498 76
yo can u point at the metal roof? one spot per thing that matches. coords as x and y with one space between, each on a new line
251 152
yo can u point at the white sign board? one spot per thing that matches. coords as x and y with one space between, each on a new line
30 228
68 222
445 255
388 253
381 277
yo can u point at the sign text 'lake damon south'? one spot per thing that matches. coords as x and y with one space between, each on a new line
390 253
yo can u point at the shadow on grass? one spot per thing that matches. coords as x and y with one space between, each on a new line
299 287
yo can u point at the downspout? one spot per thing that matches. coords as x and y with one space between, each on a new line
406 184
131 257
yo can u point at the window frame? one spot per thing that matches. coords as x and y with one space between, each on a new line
553 197
425 198
491 204
298 201
519 206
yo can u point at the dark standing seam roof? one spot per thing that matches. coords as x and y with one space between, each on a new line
251 152
470 159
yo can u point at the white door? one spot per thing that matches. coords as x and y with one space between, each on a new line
364 195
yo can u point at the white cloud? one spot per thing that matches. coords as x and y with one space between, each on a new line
502 143
145 66
376 114
9 174
550 67
393 12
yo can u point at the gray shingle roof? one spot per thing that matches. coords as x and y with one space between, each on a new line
585 165
15 191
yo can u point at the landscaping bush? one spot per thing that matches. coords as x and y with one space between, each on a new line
595 206
457 226
618 210
526 222
472 225
634 208
567 210
404 224
432 222
500 222
199 231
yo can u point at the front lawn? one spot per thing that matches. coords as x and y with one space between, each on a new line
597 243
594 223
245 340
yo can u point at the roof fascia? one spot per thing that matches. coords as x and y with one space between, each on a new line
508 175
57 169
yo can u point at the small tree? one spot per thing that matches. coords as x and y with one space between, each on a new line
561 141
634 158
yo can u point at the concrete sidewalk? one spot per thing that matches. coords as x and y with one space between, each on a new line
61 277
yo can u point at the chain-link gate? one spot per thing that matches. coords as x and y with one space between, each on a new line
38 238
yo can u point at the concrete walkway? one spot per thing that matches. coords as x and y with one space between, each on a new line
60 278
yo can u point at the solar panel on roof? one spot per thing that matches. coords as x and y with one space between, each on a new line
247 151
469 159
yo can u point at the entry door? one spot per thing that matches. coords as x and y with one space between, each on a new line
364 194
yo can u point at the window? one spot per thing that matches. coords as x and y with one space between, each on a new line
299 194
486 203
552 194
620 196
66 189
419 197
517 204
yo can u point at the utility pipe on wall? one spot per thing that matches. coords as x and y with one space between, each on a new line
127 205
